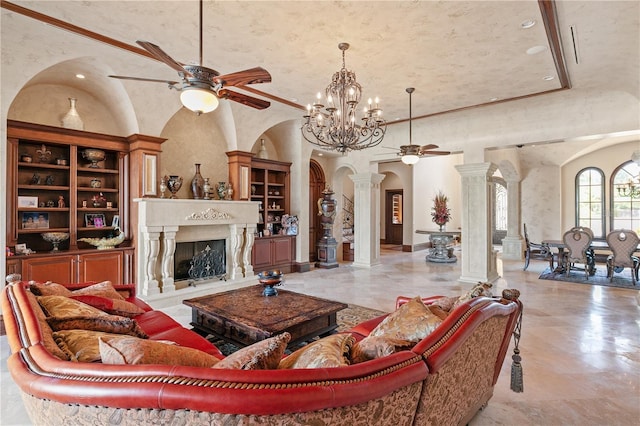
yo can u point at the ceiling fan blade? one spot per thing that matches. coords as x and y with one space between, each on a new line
161 55
244 99
430 153
427 147
241 78
122 77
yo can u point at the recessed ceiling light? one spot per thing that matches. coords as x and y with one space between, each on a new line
81 76
536 49
527 24
548 77
493 99
320 154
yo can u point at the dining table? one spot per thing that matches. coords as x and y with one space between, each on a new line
560 245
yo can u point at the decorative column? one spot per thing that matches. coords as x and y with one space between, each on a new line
366 218
513 244
250 237
236 247
151 239
327 246
168 256
479 258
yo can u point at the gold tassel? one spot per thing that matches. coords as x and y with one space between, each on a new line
517 384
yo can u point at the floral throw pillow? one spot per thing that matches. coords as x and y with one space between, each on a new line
132 350
262 355
412 321
328 352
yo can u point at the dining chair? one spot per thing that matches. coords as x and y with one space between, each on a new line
577 243
623 242
590 252
534 250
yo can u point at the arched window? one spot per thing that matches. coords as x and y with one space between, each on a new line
590 200
625 197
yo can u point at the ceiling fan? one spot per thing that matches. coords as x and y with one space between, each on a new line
411 153
202 87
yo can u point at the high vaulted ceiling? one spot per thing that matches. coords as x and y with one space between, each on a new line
456 54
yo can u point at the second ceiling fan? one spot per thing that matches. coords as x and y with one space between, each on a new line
411 153
202 87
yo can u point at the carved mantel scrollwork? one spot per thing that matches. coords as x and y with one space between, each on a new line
208 214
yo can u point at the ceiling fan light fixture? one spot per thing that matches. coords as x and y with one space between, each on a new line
410 159
199 100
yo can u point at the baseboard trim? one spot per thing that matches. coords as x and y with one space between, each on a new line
302 266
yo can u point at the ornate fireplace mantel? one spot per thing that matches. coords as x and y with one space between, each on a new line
163 222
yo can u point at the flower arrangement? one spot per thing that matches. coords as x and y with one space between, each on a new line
440 213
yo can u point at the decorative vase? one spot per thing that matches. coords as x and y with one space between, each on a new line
163 186
263 150
174 183
197 184
221 189
442 227
206 188
71 119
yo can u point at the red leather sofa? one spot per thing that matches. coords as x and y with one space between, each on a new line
443 380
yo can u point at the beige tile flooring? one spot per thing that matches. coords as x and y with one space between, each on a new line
580 343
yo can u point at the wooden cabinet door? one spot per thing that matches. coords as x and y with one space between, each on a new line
59 269
261 254
101 266
282 250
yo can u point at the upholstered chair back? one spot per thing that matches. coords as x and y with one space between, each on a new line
623 242
577 242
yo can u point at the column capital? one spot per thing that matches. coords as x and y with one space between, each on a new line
369 177
477 169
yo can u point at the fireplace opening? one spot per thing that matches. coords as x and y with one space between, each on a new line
200 260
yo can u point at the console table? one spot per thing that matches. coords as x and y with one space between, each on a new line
440 242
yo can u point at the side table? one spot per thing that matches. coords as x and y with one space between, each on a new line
441 241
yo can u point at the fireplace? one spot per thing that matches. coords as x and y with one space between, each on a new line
200 260
165 224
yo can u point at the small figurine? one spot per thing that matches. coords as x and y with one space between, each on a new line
49 180
61 203
35 179
229 193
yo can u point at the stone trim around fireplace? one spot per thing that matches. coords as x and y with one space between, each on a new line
163 222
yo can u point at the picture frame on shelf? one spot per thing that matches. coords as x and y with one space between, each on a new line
21 248
94 220
115 223
30 202
35 220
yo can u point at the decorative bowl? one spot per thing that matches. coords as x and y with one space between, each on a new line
270 279
55 238
93 155
104 243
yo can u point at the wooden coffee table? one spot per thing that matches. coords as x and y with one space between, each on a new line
245 316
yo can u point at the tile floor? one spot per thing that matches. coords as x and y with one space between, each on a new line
580 343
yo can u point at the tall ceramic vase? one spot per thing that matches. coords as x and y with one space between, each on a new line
71 119
197 184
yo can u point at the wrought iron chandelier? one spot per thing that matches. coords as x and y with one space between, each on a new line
630 189
335 128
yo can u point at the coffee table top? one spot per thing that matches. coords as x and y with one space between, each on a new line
274 314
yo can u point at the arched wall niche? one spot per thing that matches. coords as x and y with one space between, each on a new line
342 187
103 104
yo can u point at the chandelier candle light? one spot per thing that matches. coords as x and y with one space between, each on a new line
335 128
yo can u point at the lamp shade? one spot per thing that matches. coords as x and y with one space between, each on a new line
410 159
199 100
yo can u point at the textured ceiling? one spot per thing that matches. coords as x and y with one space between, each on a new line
456 54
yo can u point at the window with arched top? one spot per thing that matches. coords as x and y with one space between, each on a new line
625 197
590 200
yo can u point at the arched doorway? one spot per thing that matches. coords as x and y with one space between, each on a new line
317 184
